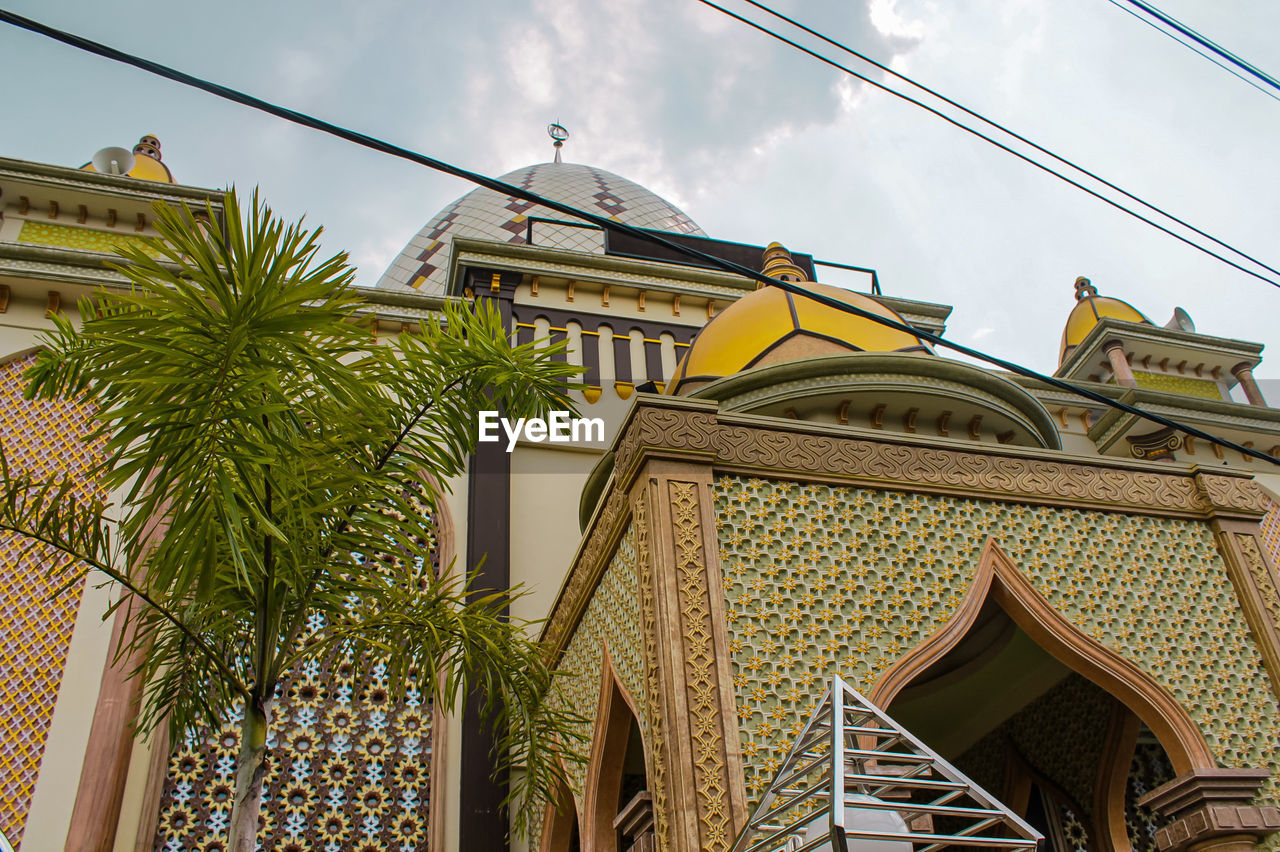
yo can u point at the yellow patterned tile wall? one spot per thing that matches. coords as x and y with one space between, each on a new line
85 239
41 438
613 618
1204 388
822 580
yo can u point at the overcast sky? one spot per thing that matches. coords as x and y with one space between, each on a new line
755 141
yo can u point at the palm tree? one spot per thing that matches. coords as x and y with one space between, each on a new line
273 462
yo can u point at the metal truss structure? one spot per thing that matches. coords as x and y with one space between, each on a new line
873 786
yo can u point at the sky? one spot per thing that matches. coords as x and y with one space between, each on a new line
755 141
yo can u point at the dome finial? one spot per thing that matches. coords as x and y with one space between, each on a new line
779 264
558 134
1085 289
149 146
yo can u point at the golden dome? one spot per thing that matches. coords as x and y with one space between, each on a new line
1090 309
147 163
770 326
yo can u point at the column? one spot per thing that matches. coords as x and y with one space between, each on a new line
1244 374
1119 363
482 820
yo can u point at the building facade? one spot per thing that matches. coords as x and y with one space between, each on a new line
1072 605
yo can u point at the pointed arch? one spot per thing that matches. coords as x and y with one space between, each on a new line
560 821
998 578
616 714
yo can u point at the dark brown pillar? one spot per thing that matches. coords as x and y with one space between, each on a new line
482 820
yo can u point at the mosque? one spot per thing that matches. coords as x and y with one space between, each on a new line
1074 608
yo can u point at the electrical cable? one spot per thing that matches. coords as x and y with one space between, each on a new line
1208 43
1233 72
381 146
1021 138
997 143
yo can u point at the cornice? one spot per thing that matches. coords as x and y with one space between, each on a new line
646 274
870 371
120 186
1228 348
601 268
77 267
694 431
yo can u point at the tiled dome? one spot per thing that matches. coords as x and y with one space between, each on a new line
485 214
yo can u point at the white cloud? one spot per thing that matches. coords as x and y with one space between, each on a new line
756 141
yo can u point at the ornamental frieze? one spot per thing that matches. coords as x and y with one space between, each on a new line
695 432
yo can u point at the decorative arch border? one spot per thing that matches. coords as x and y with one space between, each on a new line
998 578
1109 816
615 711
558 820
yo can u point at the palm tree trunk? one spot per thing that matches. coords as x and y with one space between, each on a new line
251 771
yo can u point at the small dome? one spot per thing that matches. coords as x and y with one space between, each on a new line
147 164
771 326
1090 309
488 215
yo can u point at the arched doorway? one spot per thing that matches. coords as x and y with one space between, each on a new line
1043 717
619 813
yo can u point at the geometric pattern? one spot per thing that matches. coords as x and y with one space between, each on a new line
348 766
348 769
485 214
1062 736
823 579
84 239
42 439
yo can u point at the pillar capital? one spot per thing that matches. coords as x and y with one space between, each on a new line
1212 809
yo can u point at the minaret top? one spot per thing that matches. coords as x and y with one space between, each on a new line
558 134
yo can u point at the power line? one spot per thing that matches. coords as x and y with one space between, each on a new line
1233 72
381 146
1005 129
1204 41
1117 205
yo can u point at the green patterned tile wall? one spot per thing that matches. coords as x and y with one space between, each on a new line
822 579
